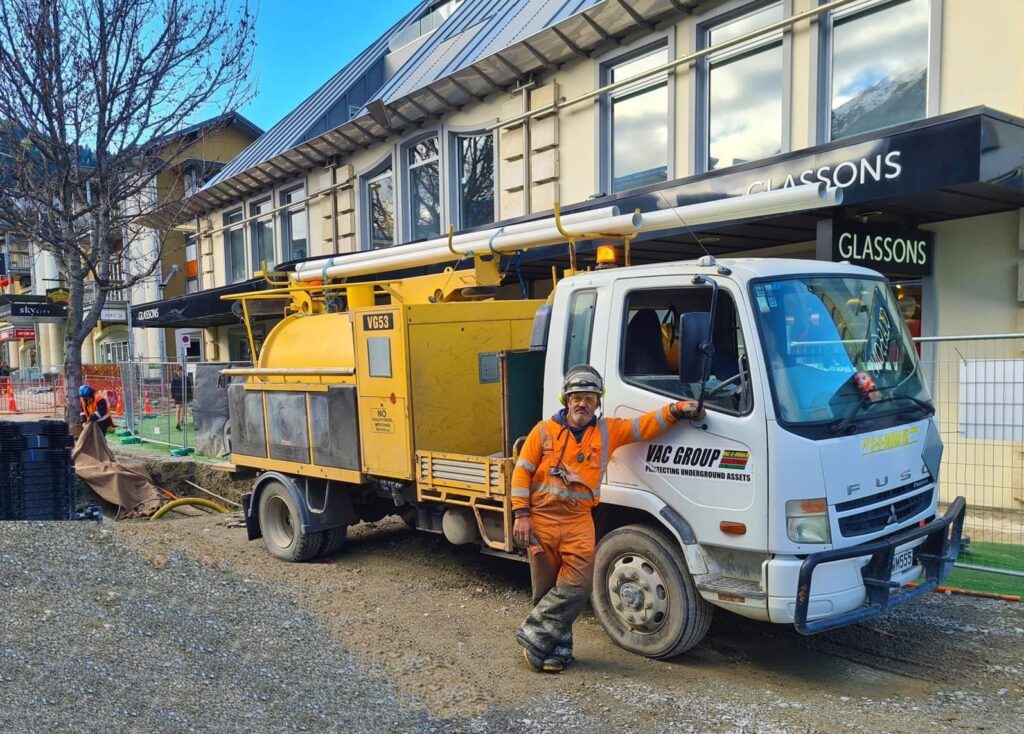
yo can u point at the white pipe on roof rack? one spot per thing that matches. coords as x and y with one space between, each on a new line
459 239
434 252
765 204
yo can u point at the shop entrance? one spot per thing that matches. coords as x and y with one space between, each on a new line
909 295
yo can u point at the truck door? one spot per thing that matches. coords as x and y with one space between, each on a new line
708 476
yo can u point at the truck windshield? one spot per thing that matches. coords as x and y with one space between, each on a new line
835 346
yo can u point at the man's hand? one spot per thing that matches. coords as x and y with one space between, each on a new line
521 531
688 409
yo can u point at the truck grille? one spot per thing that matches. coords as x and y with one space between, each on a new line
874 499
878 518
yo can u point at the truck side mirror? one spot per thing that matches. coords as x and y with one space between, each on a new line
694 334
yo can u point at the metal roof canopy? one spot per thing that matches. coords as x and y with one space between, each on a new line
485 46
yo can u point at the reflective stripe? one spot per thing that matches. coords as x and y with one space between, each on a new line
662 423
636 429
524 464
601 424
520 493
560 492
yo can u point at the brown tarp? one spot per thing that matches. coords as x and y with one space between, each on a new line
120 483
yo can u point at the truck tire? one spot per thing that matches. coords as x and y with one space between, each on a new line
644 596
333 540
281 525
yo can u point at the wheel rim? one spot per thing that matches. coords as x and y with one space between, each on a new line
277 525
638 593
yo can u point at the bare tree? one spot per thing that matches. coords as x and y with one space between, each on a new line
94 96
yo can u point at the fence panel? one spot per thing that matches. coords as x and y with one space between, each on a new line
977 383
157 403
38 396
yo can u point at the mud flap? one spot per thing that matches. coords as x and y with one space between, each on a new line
252 522
937 554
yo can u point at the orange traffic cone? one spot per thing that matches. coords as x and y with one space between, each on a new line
149 407
12 404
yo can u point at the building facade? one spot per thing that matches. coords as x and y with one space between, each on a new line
480 111
36 345
474 112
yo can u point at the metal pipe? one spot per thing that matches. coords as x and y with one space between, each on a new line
289 371
814 196
971 337
780 201
669 66
457 240
399 257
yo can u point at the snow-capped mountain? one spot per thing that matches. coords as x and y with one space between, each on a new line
889 101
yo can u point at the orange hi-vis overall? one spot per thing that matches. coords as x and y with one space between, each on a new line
558 480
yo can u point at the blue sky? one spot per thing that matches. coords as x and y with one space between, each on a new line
302 43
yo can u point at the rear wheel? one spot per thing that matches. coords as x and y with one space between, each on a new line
281 525
644 595
334 540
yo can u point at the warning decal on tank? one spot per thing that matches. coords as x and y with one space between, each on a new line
731 465
381 421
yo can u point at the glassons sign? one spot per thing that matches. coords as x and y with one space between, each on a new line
860 171
890 250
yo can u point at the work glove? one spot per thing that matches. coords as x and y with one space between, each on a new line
687 409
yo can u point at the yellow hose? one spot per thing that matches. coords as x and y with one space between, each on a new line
201 501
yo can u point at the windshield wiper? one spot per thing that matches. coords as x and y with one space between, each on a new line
929 410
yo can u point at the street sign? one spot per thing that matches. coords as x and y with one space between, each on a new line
185 340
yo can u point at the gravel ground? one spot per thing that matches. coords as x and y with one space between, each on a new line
183 625
95 639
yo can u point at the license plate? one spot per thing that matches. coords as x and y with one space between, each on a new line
902 561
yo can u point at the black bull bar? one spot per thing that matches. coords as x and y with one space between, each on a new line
937 554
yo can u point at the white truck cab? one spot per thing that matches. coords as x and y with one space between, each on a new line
809 493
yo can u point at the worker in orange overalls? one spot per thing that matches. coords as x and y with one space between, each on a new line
94 409
555 486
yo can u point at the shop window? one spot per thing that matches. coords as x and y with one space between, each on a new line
234 246
379 193
636 122
876 66
475 178
581 328
742 90
650 347
262 233
114 352
423 165
294 229
238 343
909 297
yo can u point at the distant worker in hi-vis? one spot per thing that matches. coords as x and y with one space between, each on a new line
555 487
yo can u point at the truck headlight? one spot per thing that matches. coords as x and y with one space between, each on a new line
807 521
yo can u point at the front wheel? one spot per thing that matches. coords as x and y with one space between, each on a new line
281 526
644 596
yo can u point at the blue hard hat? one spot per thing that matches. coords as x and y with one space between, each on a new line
85 392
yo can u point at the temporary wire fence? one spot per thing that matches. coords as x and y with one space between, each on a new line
33 394
977 383
158 404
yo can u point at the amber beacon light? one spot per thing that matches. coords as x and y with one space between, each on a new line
606 256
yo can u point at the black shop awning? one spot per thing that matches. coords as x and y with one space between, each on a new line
194 310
